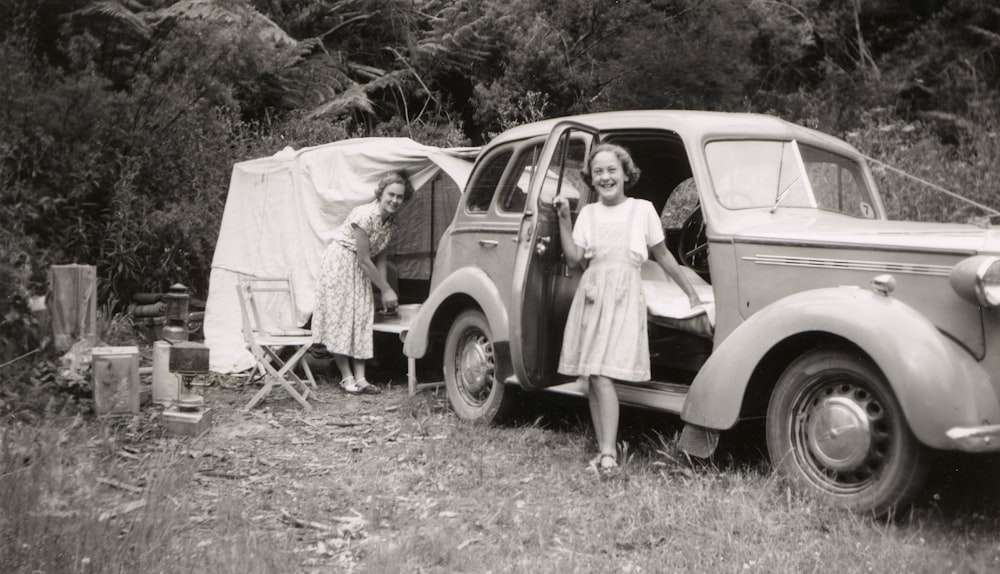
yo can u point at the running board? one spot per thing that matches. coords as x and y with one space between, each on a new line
666 397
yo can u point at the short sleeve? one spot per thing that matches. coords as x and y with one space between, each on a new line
653 227
581 230
362 217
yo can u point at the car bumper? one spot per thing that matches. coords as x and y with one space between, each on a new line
976 439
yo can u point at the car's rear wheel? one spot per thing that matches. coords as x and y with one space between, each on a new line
835 429
470 370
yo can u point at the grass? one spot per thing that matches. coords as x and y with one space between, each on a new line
391 483
56 517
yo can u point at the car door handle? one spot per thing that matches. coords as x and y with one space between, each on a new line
488 243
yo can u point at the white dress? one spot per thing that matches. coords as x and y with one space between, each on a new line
606 326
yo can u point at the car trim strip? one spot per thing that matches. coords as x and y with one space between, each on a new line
512 230
853 265
829 244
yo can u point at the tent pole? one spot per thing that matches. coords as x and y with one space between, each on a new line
433 231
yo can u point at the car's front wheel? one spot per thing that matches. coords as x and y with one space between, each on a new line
835 429
470 370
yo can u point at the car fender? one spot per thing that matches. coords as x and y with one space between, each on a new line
937 382
469 283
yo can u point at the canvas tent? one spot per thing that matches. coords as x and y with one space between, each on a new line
282 210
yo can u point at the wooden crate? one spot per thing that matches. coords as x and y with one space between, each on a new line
116 380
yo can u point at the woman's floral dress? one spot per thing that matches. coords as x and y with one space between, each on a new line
345 305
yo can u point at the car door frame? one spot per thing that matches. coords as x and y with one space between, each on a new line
533 317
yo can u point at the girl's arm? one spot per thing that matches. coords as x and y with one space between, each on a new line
375 272
673 269
572 251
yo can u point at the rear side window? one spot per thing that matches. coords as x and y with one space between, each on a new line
485 181
515 193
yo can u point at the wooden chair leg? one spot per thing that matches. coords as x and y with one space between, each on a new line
281 377
411 375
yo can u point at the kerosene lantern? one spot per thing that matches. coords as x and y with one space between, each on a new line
176 300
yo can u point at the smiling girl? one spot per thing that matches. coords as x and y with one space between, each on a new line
352 263
605 335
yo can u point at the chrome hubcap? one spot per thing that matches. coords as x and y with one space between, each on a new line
839 434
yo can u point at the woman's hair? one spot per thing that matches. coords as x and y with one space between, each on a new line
391 178
631 172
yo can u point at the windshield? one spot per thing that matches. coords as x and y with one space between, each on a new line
774 174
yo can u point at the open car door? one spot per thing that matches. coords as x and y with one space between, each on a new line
543 285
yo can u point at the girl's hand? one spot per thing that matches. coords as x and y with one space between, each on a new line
695 300
562 207
390 300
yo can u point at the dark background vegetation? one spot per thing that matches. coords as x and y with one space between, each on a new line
120 119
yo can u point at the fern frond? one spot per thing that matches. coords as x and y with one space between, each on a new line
118 12
393 79
990 36
353 100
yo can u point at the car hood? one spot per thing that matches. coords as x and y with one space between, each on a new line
958 238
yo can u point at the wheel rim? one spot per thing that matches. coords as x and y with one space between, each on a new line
474 367
841 434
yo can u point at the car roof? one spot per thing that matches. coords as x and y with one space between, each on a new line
694 126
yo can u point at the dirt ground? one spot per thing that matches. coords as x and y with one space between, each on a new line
290 468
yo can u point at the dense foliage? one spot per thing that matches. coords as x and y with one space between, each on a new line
120 119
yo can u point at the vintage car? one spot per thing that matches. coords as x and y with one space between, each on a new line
861 342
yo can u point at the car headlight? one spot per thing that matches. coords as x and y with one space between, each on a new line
977 280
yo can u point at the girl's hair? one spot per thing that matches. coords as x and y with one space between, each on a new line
631 172
391 178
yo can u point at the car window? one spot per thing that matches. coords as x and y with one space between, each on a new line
563 177
486 179
515 191
836 183
749 174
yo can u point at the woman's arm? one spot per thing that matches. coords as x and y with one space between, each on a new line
374 271
673 269
572 251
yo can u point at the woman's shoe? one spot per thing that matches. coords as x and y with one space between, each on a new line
349 385
367 388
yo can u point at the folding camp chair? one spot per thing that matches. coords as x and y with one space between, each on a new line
268 308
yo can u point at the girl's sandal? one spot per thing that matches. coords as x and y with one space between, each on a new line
608 464
349 386
603 463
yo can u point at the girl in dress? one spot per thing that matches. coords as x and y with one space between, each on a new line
605 336
352 262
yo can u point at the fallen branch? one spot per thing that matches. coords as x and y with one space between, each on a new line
349 524
221 474
120 485
299 523
468 542
16 359
123 509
